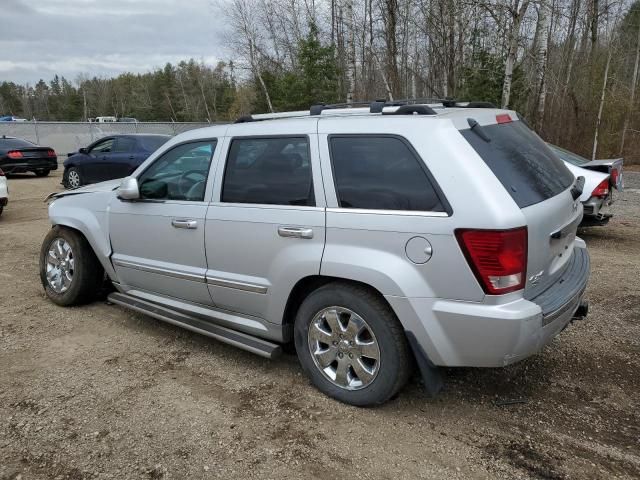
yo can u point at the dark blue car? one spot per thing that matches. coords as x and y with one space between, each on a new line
115 156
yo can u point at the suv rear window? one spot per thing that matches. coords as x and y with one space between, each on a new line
524 164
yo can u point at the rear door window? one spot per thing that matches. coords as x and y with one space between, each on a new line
271 171
124 145
381 173
527 168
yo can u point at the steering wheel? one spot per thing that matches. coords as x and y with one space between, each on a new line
190 183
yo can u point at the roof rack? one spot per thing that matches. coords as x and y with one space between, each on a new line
409 106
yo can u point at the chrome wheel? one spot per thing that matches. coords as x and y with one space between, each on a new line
344 348
73 179
60 265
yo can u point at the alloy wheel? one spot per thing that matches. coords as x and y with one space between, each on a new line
344 348
60 265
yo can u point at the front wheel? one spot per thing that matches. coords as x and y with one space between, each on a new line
351 344
42 173
69 270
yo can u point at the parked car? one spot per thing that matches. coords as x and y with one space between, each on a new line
110 157
20 156
368 237
4 191
11 118
103 119
601 178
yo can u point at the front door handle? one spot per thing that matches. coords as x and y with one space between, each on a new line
295 232
184 223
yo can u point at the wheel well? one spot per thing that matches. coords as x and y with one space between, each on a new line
307 285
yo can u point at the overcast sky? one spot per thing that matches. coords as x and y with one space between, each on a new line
40 38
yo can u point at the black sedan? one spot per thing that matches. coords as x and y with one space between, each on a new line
20 156
110 157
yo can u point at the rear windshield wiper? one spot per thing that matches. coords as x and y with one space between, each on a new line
477 129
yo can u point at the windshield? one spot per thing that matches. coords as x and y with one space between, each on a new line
527 168
568 156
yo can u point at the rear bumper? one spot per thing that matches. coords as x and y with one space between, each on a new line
594 206
30 165
457 333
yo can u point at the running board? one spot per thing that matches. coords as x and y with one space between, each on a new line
241 340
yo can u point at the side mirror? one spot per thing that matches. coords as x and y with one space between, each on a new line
83 150
128 189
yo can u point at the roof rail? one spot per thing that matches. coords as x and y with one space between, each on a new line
408 106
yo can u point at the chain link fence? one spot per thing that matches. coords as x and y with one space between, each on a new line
67 137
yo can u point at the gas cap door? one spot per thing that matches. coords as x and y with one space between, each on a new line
418 250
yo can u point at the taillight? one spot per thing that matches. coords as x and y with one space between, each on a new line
614 177
503 118
498 258
14 154
51 152
602 190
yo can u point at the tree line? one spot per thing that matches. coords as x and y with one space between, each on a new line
570 67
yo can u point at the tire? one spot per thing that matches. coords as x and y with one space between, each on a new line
72 178
1 209
384 377
42 173
85 272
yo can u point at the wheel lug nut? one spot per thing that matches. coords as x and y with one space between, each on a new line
351 355
340 355
335 343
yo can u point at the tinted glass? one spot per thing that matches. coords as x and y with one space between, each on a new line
103 147
568 156
273 171
381 173
153 142
179 174
10 143
524 164
124 145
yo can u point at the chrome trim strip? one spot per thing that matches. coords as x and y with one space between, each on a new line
161 271
410 213
247 287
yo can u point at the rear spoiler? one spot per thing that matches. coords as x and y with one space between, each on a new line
611 166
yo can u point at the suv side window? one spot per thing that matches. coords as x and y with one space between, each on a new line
103 146
179 174
380 173
271 171
124 145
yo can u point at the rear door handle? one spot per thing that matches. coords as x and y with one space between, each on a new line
295 232
184 223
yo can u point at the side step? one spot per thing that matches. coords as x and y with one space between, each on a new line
241 340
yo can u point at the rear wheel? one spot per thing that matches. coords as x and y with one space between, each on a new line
351 344
72 178
42 173
69 270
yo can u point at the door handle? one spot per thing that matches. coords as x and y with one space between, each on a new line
295 232
184 223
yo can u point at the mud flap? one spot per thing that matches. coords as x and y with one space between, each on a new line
432 376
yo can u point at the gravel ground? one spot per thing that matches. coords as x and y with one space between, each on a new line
101 392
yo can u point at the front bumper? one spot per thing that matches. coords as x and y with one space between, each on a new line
29 165
492 334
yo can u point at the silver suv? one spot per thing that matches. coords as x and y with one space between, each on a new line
372 238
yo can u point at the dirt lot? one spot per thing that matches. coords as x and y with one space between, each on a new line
100 392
